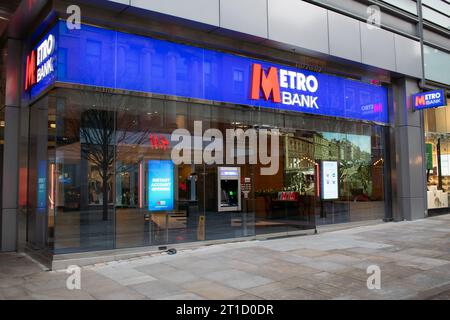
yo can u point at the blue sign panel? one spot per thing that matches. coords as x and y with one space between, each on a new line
41 64
41 184
160 185
105 58
429 99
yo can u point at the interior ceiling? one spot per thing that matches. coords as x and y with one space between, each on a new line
7 8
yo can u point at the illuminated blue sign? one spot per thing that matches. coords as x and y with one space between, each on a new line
41 64
106 58
429 99
41 184
160 185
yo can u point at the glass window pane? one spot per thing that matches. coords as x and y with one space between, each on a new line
437 65
84 171
436 17
439 5
407 5
110 182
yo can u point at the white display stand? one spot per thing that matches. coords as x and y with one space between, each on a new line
436 198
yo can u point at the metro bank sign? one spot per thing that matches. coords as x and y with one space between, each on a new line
40 68
430 99
103 58
286 88
271 83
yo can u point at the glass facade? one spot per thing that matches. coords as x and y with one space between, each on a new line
3 60
407 5
437 65
102 175
437 154
436 11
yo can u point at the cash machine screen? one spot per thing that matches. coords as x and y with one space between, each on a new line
228 189
229 193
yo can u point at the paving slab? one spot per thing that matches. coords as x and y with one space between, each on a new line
212 290
237 279
157 289
184 296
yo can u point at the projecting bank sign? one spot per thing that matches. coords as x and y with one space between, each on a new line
40 68
429 99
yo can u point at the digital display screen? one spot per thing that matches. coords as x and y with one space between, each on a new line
160 185
330 180
42 184
229 193
229 172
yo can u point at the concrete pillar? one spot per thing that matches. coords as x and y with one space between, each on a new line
9 213
407 153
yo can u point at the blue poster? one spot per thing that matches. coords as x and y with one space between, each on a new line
160 185
41 184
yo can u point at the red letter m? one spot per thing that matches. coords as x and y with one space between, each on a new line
420 101
30 75
269 84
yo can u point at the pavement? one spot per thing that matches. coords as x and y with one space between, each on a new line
413 258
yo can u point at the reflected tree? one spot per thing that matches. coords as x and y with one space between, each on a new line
101 129
357 175
97 146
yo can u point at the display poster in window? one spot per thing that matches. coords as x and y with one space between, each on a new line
42 185
445 165
160 185
330 180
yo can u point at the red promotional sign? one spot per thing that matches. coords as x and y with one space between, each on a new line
159 142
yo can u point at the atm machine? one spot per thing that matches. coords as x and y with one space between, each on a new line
229 189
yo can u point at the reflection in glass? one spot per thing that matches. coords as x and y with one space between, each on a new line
103 190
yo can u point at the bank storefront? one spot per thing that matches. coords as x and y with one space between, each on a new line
136 141
437 152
